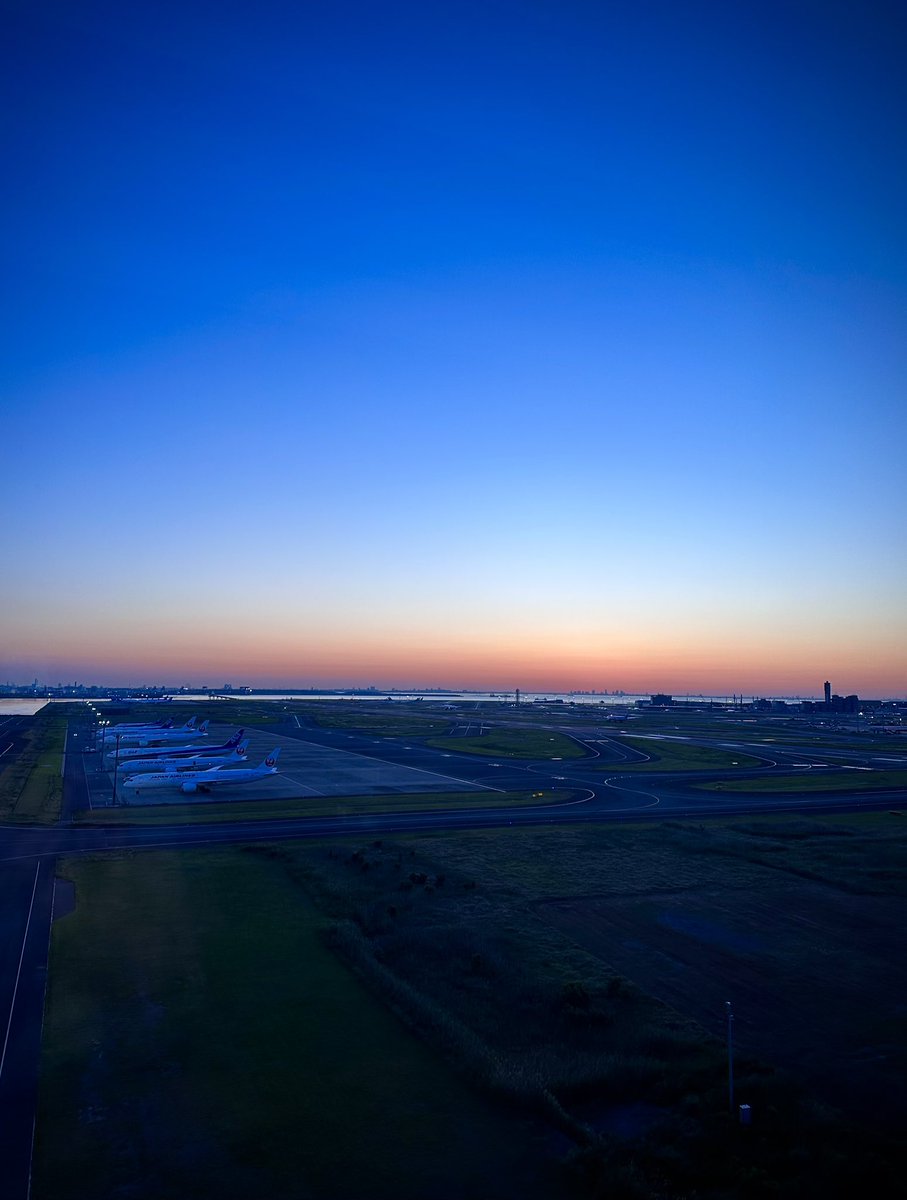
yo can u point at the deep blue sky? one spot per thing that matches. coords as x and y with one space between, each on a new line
492 325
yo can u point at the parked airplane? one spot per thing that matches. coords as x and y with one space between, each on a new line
148 737
203 781
123 725
171 751
113 732
196 762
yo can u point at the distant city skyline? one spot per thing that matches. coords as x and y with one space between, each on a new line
811 688
555 345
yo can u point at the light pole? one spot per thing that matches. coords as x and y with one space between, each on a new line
116 765
730 1054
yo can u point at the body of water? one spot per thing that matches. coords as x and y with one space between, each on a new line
460 697
19 707
26 706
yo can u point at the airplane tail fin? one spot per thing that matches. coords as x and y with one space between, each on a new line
168 724
271 760
234 741
242 748
190 724
203 728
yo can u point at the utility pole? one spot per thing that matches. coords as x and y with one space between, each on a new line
116 766
730 1055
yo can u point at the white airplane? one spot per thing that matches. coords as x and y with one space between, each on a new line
173 751
121 731
203 781
168 724
148 737
197 762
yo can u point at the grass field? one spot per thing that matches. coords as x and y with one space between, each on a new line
539 958
252 810
512 743
681 756
200 1039
380 724
31 784
790 730
235 712
198 1028
853 780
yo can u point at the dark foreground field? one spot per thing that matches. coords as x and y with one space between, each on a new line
815 972
201 1040
454 1015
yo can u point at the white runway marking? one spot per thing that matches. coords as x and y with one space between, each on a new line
298 783
451 779
403 767
662 737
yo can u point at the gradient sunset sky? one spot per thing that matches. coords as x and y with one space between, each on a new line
546 345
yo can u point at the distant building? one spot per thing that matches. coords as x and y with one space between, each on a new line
832 703
660 700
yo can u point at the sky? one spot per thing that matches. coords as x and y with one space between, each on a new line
552 345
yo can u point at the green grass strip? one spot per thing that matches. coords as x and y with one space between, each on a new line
815 781
256 810
201 1039
31 785
681 756
382 724
512 743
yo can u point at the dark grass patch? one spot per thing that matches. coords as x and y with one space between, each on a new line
513 743
559 998
377 724
205 812
31 783
198 1029
832 780
680 756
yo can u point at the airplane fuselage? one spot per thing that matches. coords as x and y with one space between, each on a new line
176 765
127 752
174 750
203 780
151 736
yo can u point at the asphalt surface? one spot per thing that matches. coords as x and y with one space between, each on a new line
26 899
316 762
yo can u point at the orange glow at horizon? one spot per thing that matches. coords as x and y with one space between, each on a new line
484 661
